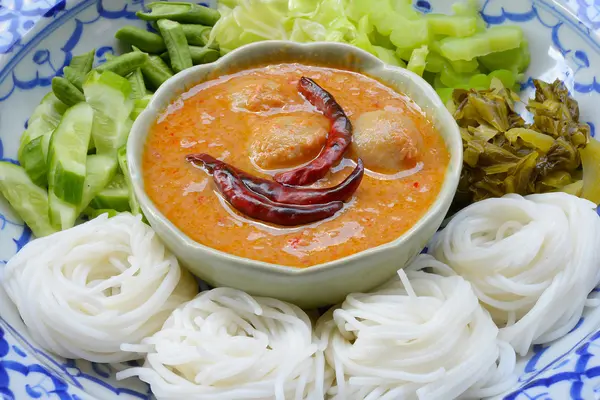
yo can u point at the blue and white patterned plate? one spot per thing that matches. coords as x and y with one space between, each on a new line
39 37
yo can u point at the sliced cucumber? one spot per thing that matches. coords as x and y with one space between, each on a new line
108 94
32 155
34 161
68 153
29 200
62 214
114 196
140 106
100 170
134 206
92 213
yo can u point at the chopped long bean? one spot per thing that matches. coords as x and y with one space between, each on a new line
200 55
177 46
196 35
124 64
203 55
156 71
138 87
180 12
66 92
142 39
417 60
78 68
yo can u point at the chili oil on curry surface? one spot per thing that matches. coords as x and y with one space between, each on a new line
257 121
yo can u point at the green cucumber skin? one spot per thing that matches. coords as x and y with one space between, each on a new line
65 183
133 203
118 204
114 196
33 159
27 199
100 170
61 214
68 185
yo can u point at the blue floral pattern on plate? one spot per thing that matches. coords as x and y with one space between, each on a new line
38 38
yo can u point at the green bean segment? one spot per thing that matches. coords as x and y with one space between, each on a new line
196 35
142 39
200 55
66 92
180 12
78 68
177 45
124 64
156 71
138 87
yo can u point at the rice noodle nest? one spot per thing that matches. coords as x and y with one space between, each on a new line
228 345
84 291
524 256
420 336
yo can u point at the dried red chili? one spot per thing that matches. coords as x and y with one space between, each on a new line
259 207
338 140
289 194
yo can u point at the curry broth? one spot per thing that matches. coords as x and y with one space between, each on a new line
204 121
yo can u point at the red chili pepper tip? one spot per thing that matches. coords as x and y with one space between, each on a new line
258 207
338 140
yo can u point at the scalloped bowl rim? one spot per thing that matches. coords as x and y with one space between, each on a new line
171 89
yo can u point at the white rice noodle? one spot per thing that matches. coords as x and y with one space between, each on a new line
421 336
228 345
84 291
532 261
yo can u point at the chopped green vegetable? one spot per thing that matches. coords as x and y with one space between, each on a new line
108 94
531 138
455 43
138 87
62 214
155 71
66 92
67 153
590 158
28 200
196 35
134 206
79 67
181 12
417 60
177 46
410 34
503 154
575 188
495 39
124 64
100 170
203 55
515 60
33 151
146 41
388 56
114 196
451 25
139 106
92 213
464 66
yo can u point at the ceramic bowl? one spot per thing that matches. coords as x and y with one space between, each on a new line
321 284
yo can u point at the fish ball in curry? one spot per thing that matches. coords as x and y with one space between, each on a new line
287 140
258 95
387 141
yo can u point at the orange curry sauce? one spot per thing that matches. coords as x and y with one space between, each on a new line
223 117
